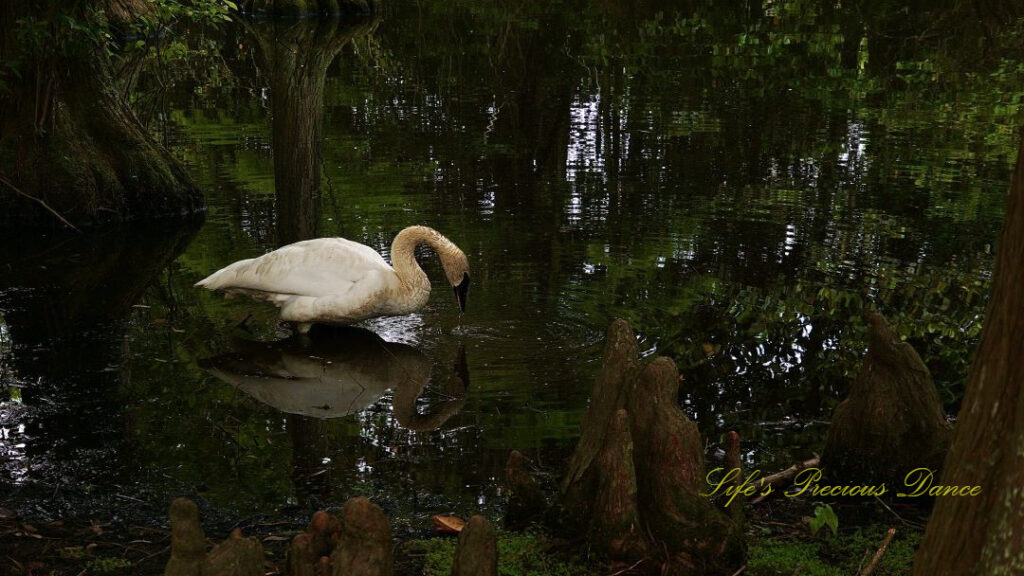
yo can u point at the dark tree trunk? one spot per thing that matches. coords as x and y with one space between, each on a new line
304 8
985 534
67 137
296 56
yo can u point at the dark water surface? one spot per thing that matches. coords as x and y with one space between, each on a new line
696 179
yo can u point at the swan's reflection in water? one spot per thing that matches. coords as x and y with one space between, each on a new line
337 371
330 373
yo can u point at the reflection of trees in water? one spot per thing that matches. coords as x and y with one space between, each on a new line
295 57
653 169
66 302
333 373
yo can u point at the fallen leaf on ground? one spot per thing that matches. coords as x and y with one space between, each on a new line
448 524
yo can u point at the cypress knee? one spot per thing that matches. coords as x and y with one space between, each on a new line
476 554
892 421
364 548
188 544
236 556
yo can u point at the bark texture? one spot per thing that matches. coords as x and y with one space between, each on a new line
985 534
670 477
634 481
236 556
305 8
364 548
892 420
526 500
296 56
616 519
476 554
188 544
68 138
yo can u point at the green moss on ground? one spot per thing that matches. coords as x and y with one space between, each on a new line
530 554
783 555
524 554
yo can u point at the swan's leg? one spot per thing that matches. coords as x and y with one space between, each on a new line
303 327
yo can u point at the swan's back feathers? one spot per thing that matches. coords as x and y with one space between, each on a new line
320 267
337 281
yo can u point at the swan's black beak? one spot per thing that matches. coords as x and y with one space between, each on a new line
460 292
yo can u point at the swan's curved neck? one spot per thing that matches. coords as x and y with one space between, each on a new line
403 253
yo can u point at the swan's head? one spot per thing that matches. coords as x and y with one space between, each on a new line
453 260
456 269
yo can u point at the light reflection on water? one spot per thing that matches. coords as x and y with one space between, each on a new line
577 200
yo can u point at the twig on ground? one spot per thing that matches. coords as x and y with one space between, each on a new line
787 474
878 555
898 517
40 201
628 568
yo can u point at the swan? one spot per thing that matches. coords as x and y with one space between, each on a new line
338 281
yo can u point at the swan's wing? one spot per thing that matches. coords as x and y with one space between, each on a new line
321 267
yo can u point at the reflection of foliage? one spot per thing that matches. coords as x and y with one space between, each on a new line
742 187
814 335
155 50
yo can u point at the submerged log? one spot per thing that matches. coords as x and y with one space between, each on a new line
476 554
236 556
892 421
188 544
364 546
526 501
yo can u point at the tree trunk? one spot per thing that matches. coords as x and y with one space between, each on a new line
985 534
305 8
296 56
67 138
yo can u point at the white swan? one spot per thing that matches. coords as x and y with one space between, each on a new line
337 281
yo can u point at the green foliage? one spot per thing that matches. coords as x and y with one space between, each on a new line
107 565
80 28
518 555
841 556
146 29
824 516
68 29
